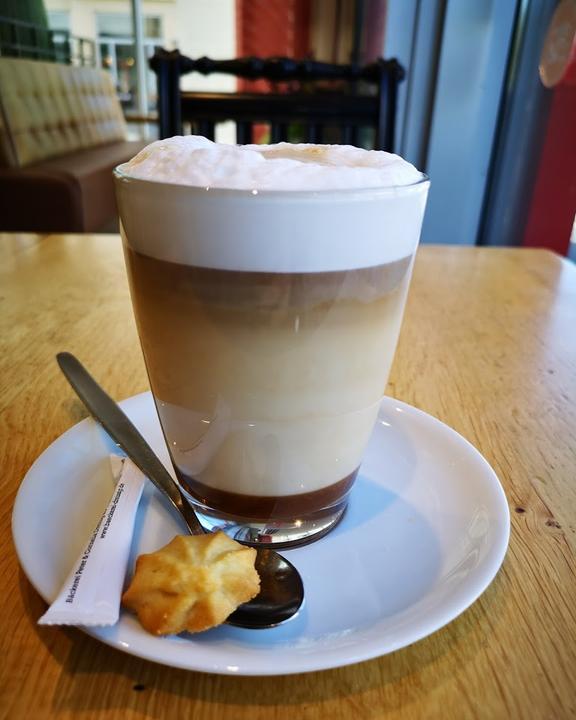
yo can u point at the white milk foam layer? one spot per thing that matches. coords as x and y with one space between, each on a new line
270 208
194 160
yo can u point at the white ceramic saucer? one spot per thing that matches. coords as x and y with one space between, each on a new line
424 535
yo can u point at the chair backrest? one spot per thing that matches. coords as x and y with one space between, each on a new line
49 109
314 112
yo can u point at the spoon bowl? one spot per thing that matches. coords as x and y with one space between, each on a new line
281 588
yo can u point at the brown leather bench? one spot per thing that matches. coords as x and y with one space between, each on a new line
61 133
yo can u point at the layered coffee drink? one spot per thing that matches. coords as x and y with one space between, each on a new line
268 284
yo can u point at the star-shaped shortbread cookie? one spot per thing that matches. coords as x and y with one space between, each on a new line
192 584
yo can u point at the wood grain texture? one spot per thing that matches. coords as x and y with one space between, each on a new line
488 346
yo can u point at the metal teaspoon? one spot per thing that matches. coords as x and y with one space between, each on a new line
281 589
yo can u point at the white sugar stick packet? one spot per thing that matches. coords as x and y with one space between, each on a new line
92 591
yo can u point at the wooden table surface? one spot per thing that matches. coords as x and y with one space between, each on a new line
488 346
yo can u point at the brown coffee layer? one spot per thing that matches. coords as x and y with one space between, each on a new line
251 339
157 280
281 507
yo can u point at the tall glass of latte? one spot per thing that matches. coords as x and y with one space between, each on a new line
268 285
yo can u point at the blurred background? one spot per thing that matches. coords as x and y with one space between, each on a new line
487 108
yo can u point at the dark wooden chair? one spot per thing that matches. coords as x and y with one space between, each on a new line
321 113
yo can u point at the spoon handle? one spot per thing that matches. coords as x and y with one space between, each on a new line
123 432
